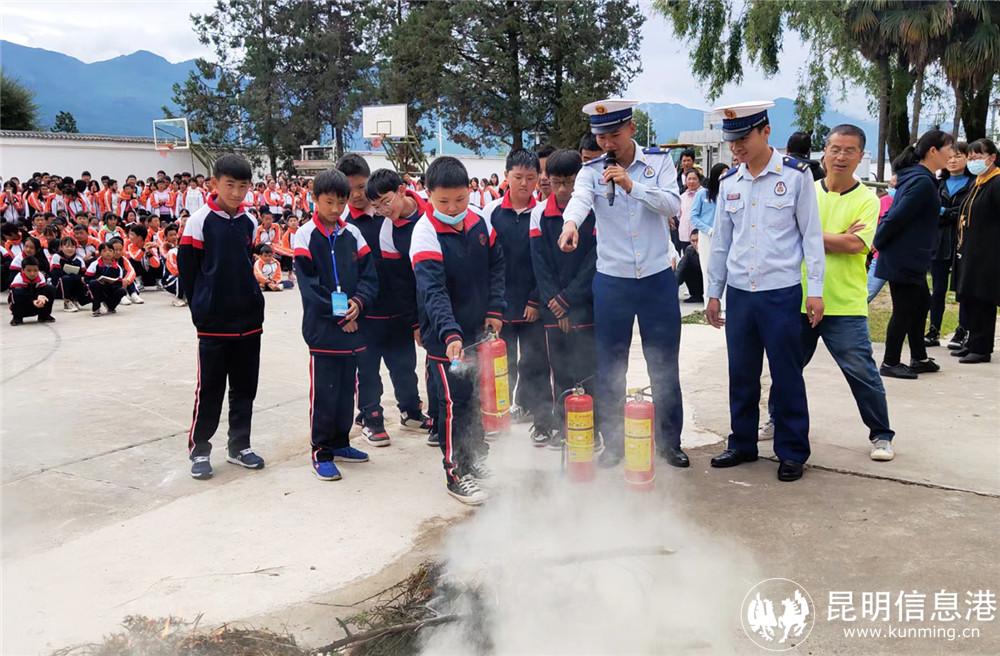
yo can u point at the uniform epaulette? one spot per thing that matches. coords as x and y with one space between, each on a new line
653 150
731 171
795 162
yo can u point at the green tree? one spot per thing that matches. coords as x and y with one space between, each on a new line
645 133
18 110
65 122
971 61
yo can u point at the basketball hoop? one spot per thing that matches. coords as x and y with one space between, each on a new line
164 148
377 141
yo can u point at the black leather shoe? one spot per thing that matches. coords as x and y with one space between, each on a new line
974 358
675 457
731 458
959 353
609 458
927 366
789 470
897 371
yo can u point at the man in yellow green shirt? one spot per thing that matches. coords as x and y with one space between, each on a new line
849 212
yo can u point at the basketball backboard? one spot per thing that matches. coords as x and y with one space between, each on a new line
384 121
171 133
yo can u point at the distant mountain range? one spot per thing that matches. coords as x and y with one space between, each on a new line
122 96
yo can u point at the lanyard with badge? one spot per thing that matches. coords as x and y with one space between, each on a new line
338 299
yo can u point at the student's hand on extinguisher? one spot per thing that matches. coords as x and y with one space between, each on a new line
556 309
713 313
530 314
814 310
351 327
416 338
564 324
494 324
569 237
454 350
353 310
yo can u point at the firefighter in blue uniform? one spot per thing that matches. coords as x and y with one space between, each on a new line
633 193
766 225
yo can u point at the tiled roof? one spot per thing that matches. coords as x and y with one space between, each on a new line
69 136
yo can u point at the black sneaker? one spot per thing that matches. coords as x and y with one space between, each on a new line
48 319
16 321
468 491
416 421
201 468
481 472
433 439
927 366
359 421
374 432
540 436
931 339
897 371
958 339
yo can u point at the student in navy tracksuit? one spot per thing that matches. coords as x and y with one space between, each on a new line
460 292
338 281
565 286
388 335
523 331
227 309
402 208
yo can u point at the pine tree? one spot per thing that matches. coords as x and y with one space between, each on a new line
65 122
18 110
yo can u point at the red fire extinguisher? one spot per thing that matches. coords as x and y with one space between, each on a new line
494 386
579 438
640 420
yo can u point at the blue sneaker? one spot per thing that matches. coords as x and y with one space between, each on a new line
326 470
247 458
350 454
201 468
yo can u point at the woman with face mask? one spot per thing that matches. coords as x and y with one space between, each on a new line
979 267
954 185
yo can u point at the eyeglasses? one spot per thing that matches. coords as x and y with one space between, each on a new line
384 203
837 151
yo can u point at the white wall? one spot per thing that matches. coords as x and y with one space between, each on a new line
20 157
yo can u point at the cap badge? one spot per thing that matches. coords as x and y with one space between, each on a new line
601 109
729 113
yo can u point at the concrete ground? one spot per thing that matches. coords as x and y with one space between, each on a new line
100 519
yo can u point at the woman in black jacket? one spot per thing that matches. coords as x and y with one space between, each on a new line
905 242
954 186
979 267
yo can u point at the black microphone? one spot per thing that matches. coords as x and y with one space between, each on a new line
610 160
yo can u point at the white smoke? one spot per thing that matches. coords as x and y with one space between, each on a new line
565 568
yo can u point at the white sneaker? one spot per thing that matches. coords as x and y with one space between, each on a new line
77 305
467 490
178 302
69 307
766 431
125 300
882 451
136 298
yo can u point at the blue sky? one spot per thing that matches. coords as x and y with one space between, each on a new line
98 30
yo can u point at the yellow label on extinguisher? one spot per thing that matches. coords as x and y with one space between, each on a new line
500 366
501 384
638 444
580 436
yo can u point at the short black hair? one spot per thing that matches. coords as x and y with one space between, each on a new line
382 181
105 246
589 142
544 150
447 172
333 182
799 143
138 229
687 152
115 240
85 173
850 131
232 166
171 227
31 260
523 158
564 163
265 249
353 164
68 241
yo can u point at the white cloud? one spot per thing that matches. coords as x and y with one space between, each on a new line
96 31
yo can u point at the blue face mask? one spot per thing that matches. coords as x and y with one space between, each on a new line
892 192
449 219
976 166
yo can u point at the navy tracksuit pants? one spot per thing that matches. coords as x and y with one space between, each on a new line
331 403
528 367
220 360
390 340
767 322
617 303
572 359
458 421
